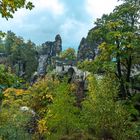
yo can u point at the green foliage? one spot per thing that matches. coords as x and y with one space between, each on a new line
97 67
87 66
2 48
7 79
102 115
13 124
42 93
62 117
55 103
68 54
20 55
2 34
29 54
119 35
9 7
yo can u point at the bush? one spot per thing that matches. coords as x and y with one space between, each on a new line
102 115
13 121
62 117
42 93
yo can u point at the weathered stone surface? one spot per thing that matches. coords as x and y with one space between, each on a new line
58 44
49 50
85 50
42 64
52 48
88 49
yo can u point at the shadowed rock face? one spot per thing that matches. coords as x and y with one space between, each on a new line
49 49
88 49
58 44
42 64
85 51
52 48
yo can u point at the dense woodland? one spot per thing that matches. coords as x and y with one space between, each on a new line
55 108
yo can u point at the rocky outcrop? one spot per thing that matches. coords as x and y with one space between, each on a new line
58 44
52 48
88 50
85 51
49 50
42 64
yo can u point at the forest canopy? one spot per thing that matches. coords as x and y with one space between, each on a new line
94 98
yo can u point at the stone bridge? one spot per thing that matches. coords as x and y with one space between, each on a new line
72 70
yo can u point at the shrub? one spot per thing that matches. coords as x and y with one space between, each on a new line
13 121
62 117
102 115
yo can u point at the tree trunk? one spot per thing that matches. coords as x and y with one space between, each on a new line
129 65
119 72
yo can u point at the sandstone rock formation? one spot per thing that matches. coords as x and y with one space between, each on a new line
52 48
88 49
85 50
49 50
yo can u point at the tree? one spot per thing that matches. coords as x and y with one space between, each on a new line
20 55
7 79
119 32
9 40
9 7
62 117
102 115
2 48
29 57
14 120
68 54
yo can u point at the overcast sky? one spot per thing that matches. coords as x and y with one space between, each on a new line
72 19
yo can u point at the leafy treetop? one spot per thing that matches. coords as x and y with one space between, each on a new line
9 7
68 54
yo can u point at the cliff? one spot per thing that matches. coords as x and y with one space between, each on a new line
52 48
49 50
88 49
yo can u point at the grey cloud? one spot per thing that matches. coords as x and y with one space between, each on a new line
42 25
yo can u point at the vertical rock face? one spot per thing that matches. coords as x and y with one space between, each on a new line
42 64
52 48
49 49
85 50
88 50
58 44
